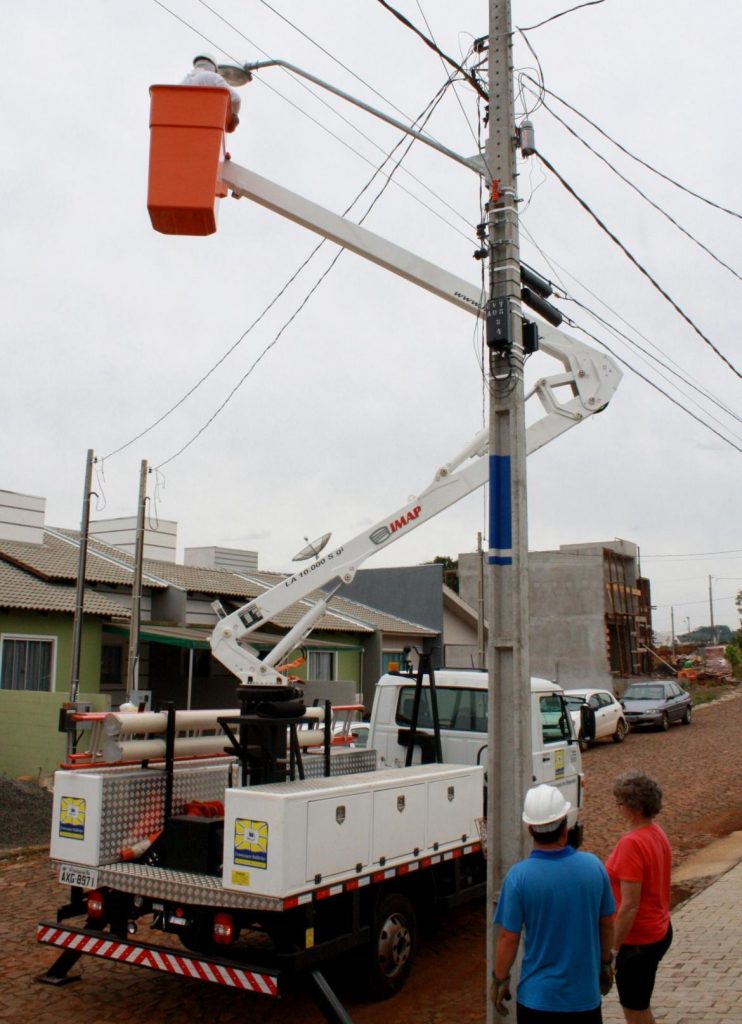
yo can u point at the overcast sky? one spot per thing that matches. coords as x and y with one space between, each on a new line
107 324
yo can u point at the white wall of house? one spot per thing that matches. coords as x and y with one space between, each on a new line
22 517
121 533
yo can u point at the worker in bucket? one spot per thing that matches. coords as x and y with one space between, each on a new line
205 73
562 899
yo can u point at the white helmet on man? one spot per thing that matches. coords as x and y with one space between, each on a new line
201 59
544 808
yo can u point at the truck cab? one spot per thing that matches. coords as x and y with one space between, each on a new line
462 713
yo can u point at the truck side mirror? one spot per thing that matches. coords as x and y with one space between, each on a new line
587 722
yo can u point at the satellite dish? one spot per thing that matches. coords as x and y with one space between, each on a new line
312 549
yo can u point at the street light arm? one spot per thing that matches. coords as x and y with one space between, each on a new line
475 163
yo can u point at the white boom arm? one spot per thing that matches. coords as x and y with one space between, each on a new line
590 379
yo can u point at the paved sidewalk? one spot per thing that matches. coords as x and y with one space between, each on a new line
700 979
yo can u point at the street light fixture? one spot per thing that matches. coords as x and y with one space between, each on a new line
238 75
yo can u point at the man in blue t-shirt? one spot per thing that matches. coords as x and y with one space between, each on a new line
562 900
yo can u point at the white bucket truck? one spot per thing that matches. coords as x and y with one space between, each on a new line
270 857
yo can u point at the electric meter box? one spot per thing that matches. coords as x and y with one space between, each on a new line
284 838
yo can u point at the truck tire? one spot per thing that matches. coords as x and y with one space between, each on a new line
392 946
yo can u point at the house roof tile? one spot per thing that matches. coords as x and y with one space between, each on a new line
21 591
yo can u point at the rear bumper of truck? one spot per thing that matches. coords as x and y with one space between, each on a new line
74 942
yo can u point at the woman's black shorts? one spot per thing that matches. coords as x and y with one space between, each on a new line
636 969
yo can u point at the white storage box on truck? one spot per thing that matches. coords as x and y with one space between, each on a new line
462 716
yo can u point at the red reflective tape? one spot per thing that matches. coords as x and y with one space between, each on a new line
291 902
352 884
403 869
457 853
426 862
159 960
322 894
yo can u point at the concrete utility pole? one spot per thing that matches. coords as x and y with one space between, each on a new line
509 740
80 588
132 675
714 638
672 629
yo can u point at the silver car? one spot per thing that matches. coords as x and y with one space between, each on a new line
656 704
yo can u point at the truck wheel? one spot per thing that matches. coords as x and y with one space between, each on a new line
392 949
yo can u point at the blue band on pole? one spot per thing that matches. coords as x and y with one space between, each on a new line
501 518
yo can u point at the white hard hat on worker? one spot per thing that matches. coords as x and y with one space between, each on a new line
544 808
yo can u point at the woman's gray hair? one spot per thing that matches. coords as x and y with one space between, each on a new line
640 792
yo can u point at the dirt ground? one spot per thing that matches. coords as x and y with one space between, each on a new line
699 768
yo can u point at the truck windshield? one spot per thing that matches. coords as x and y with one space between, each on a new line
460 709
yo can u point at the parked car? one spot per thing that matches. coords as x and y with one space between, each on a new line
657 704
610 719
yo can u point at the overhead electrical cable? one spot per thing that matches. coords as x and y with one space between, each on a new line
262 82
651 383
408 142
329 106
620 334
668 298
639 192
696 554
471 78
456 95
570 10
332 57
277 296
633 156
552 263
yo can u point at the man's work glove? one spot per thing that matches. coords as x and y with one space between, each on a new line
501 994
606 977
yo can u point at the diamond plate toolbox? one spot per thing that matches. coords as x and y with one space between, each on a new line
98 812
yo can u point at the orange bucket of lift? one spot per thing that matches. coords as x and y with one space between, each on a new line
187 125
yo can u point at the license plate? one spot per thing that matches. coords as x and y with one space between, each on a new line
84 878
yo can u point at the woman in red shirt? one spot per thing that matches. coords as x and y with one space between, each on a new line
639 869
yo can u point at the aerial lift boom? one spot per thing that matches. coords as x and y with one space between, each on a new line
589 379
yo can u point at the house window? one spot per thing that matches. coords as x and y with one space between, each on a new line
27 663
111 666
321 665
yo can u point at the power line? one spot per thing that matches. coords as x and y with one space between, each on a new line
272 302
409 143
652 384
633 156
697 554
319 124
689 383
639 192
469 76
368 85
588 3
552 263
636 263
